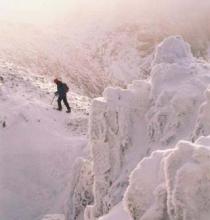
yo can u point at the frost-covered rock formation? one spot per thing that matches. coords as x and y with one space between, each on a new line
117 126
177 92
127 125
172 184
202 127
172 50
81 193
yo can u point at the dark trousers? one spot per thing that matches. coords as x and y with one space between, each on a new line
64 99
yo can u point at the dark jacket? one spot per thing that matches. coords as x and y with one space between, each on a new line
61 91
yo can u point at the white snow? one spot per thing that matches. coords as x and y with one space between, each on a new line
171 50
146 157
38 145
171 184
54 217
116 213
127 125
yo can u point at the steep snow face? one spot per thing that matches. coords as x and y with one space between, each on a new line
127 125
38 145
172 184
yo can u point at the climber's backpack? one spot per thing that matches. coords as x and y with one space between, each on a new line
66 88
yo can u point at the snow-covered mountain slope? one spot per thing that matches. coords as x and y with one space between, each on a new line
38 145
91 58
127 125
138 167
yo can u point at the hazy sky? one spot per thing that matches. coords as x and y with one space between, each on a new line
52 10
34 9
48 10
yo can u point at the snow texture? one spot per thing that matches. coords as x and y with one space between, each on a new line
90 58
127 125
202 127
171 184
113 125
117 212
171 50
38 145
81 193
133 132
54 217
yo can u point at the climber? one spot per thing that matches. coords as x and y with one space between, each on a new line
62 90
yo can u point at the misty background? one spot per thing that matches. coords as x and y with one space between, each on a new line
87 41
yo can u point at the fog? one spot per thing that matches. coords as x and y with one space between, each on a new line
120 10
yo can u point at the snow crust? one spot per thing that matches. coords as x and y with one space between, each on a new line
127 125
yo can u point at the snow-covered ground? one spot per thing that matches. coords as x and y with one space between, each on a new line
139 152
144 157
38 145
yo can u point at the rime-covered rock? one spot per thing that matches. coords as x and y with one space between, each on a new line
177 90
172 50
171 184
116 123
81 193
127 125
202 127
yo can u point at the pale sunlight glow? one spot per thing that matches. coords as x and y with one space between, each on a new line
35 9
49 9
